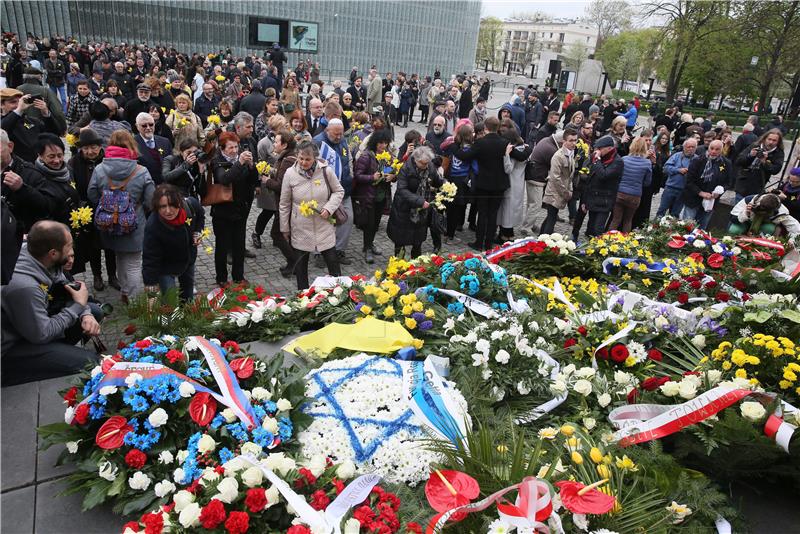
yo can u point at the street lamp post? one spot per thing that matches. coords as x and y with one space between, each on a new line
605 81
650 89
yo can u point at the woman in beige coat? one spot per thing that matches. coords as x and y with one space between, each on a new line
310 193
558 190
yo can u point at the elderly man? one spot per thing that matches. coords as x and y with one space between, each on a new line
140 104
436 136
314 117
676 168
38 342
152 148
374 90
22 127
333 149
708 177
123 79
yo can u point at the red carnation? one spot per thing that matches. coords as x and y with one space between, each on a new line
740 285
674 285
711 284
298 529
306 478
259 290
132 525
683 298
722 296
602 353
143 344
338 484
70 396
153 523
619 353
695 284
582 330
237 523
662 294
655 355
135 458
364 515
653 383
213 514
570 342
256 500
174 356
82 414
319 501
202 408
130 329
414 527
242 298
231 346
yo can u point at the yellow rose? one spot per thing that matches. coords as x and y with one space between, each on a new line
410 323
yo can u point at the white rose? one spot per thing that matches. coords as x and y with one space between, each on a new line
72 447
190 515
352 526
270 424
206 444
182 455
558 386
584 387
753 411
69 414
687 389
165 457
338 290
280 463
96 371
132 378
234 465
589 423
108 390
182 499
252 477
186 390
139 481
158 418
273 496
228 490
699 341
714 376
179 476
502 356
284 405
333 301
736 251
346 470
261 394
251 448
670 389
228 414
604 399
585 372
285 309
108 471
569 369
163 488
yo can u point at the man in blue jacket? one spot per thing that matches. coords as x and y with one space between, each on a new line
676 168
333 149
630 116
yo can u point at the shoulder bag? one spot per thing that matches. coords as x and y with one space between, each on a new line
216 193
339 216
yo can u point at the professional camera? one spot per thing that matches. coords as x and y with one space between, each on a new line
760 151
201 156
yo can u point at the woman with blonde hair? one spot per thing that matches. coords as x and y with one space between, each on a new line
637 173
619 134
184 123
290 95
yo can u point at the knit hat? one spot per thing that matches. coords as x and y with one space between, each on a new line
594 109
604 142
89 137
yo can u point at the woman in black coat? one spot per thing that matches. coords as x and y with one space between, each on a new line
410 216
171 236
600 193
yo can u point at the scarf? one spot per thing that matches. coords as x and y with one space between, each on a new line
608 158
179 219
708 170
120 152
307 174
57 175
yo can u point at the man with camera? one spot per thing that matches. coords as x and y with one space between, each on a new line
187 169
758 163
23 128
43 314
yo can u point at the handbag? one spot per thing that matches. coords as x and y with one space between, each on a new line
339 216
216 193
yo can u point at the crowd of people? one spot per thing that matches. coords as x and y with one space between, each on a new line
154 136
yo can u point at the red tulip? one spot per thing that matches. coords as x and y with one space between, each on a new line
202 408
581 499
112 434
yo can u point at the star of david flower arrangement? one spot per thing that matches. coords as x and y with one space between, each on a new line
360 415
162 412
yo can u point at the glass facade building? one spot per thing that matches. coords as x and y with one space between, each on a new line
393 35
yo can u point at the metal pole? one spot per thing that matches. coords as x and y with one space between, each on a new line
605 81
791 151
650 89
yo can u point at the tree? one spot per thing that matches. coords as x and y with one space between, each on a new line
629 54
609 17
490 34
576 55
687 24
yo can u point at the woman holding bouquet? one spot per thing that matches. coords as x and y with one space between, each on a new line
184 123
372 190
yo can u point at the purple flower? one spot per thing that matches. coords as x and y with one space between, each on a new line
359 306
418 316
613 288
403 286
425 325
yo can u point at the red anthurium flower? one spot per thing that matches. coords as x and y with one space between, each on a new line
449 489
243 367
112 434
715 260
676 241
132 525
589 502
619 353
354 296
70 396
202 408
652 383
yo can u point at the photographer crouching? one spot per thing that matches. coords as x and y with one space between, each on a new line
44 314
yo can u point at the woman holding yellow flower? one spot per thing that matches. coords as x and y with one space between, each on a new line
184 123
372 190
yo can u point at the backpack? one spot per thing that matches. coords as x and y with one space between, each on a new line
116 210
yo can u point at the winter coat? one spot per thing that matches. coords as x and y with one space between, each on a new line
187 178
792 200
364 188
559 180
53 104
406 97
722 176
751 181
170 250
601 191
140 189
677 161
780 216
24 132
57 188
461 173
192 130
408 222
28 203
24 305
489 152
512 209
243 180
540 159
310 234
637 172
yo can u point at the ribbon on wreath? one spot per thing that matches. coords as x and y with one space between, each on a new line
611 262
231 394
520 246
639 423
530 511
330 519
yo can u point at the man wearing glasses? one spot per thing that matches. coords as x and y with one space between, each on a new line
152 148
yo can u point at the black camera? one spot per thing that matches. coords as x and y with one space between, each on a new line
760 152
201 156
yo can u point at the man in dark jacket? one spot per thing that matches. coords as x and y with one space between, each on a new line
139 104
490 183
545 130
207 103
359 94
33 86
254 102
534 114
598 198
436 136
20 123
536 179
758 163
56 75
152 148
708 177
743 141
124 81
552 103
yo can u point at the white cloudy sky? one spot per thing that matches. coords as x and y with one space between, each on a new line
504 8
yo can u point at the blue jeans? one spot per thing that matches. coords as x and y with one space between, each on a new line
61 92
670 200
698 214
185 279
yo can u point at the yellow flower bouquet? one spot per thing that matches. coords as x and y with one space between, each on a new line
80 218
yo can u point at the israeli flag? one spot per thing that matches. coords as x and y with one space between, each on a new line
330 155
